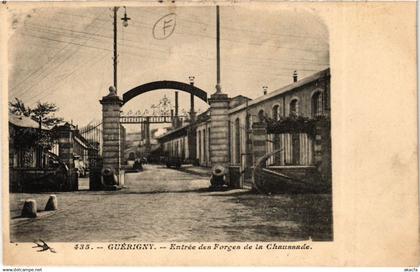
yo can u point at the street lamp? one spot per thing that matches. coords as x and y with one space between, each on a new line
192 113
125 19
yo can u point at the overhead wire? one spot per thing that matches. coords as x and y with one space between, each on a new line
182 33
232 41
77 44
51 67
40 67
49 30
83 45
71 54
77 69
73 43
125 45
60 30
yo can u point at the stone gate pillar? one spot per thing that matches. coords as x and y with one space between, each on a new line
65 153
219 133
322 151
95 167
148 146
66 144
259 140
111 109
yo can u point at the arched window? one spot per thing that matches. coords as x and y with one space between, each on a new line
261 116
204 145
199 145
294 108
248 122
237 141
208 134
317 104
275 113
182 148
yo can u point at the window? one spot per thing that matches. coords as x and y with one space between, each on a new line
199 145
248 122
209 131
317 104
275 113
294 108
237 141
261 116
204 146
182 148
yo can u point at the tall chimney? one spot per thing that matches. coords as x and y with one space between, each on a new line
265 90
176 104
295 76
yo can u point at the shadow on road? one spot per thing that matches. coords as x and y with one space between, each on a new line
199 191
235 192
125 191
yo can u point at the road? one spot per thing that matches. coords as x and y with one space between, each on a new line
163 205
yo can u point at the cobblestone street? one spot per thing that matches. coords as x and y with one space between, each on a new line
161 205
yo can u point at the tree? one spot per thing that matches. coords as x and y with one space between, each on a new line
19 108
43 113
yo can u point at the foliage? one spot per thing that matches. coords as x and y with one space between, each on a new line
25 138
43 114
19 108
296 124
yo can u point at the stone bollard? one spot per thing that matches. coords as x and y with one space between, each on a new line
217 179
52 203
108 176
29 208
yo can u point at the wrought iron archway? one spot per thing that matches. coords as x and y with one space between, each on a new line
164 84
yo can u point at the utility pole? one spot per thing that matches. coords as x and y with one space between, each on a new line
218 86
192 112
125 20
176 120
115 48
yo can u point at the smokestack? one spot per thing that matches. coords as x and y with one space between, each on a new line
295 76
176 104
265 90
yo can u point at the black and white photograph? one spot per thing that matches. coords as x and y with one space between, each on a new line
169 124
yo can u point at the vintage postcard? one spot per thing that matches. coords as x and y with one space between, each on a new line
209 133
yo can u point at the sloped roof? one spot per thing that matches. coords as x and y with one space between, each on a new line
284 89
24 121
171 132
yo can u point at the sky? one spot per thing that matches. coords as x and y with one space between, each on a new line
64 55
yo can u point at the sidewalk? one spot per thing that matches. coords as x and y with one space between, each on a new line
206 172
196 170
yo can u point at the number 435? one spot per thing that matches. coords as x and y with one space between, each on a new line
82 246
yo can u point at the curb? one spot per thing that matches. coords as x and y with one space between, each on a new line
41 214
194 173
